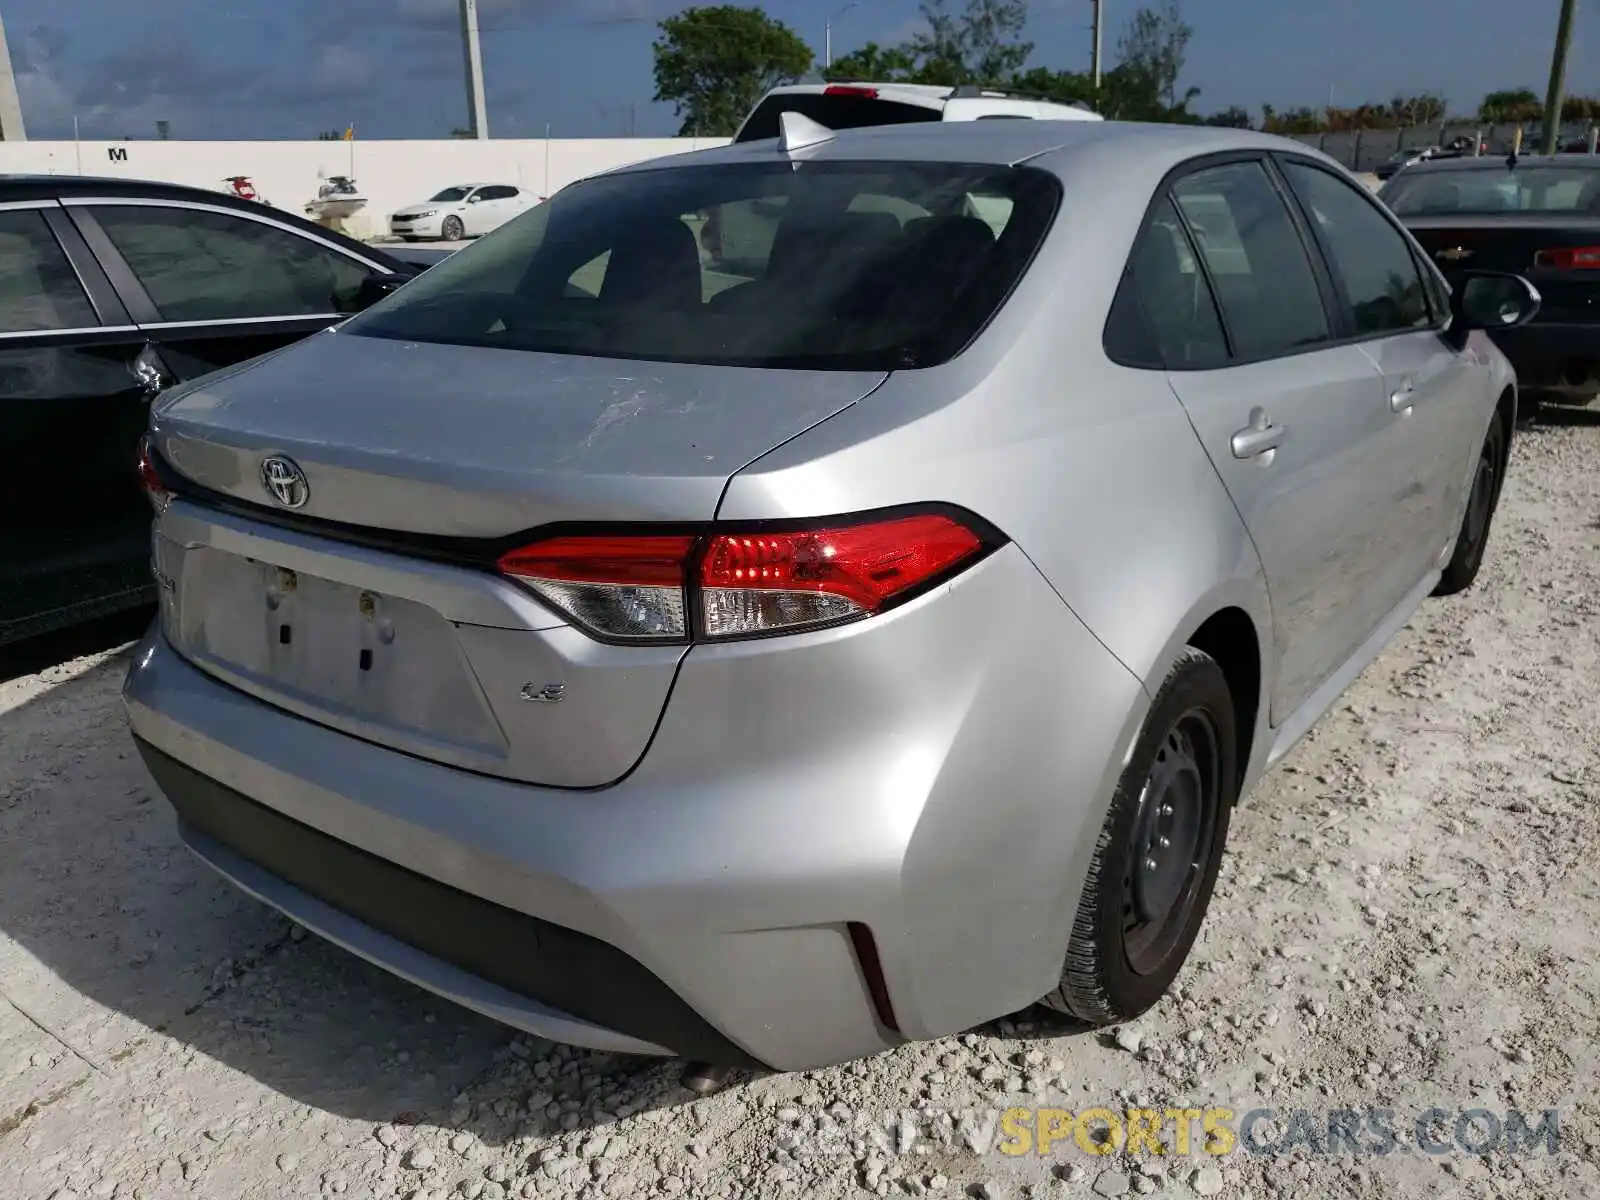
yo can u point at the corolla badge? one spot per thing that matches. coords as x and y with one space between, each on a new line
285 480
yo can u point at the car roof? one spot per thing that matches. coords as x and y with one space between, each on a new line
22 188
1497 162
999 142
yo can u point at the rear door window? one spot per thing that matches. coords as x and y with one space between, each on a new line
845 266
201 265
1257 260
39 290
836 111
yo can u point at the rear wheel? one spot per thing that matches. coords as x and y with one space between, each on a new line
452 229
1156 860
1482 501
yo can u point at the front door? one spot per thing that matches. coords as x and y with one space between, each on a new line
1436 394
1296 425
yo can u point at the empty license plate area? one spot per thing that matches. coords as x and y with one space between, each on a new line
379 665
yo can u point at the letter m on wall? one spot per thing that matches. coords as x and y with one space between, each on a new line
117 154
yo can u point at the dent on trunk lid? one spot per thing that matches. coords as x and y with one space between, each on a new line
477 442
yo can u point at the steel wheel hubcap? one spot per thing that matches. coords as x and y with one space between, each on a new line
1171 844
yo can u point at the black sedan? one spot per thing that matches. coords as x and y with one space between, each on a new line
110 291
1535 216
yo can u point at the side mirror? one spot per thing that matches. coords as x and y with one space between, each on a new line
474 198
1491 301
375 287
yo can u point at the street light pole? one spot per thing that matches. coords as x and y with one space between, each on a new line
1558 72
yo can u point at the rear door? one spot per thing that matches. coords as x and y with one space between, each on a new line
214 286
75 384
1296 424
1439 400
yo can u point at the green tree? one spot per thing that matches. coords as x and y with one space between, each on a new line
980 44
877 63
713 64
1230 118
1065 86
1150 56
1510 105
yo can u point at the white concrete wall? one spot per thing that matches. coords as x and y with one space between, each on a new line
389 173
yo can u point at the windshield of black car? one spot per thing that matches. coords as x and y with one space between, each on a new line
451 193
846 266
1485 191
839 110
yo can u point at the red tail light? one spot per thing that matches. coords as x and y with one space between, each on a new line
1569 258
844 89
643 588
150 480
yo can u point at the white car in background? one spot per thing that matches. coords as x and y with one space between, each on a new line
463 210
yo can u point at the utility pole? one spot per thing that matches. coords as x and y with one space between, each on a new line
477 107
1558 73
1099 28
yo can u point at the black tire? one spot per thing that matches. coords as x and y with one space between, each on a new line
452 230
1183 778
1476 522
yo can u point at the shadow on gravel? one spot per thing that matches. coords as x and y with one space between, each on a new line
96 886
35 654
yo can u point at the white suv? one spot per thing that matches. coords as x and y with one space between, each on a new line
852 105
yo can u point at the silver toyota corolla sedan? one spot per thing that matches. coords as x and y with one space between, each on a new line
768 604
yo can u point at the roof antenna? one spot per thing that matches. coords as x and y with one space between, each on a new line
798 132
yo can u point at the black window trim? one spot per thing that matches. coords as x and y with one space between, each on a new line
142 309
1436 325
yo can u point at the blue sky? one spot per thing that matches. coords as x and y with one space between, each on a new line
290 68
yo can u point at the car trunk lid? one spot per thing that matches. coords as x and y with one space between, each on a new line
474 442
375 607
1467 243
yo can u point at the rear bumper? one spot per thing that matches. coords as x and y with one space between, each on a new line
936 776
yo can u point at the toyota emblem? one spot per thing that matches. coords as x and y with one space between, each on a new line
285 480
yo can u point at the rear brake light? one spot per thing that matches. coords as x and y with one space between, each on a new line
640 588
150 479
764 582
1569 258
840 89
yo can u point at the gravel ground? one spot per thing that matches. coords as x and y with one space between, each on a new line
1406 921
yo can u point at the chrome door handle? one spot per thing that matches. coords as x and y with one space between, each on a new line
1402 398
1259 437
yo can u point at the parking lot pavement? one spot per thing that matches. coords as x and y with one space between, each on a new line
1405 923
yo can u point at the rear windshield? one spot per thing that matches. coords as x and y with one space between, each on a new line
833 112
842 266
1495 190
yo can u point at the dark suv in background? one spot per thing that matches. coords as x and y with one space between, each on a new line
110 291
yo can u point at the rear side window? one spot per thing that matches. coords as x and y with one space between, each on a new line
843 266
1371 258
832 112
1256 258
200 265
39 290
